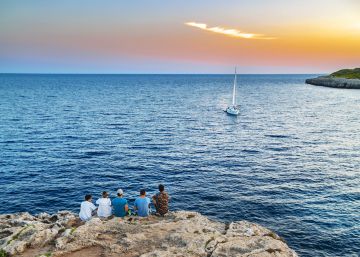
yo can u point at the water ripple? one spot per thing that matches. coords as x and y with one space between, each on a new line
290 161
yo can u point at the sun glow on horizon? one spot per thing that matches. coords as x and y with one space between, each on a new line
227 31
260 36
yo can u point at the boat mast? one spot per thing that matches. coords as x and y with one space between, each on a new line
234 91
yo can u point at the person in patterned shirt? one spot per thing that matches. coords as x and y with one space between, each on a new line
161 201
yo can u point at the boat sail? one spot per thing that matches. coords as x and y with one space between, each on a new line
234 109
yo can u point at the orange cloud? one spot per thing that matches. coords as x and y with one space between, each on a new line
227 32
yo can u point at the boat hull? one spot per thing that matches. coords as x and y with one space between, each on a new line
233 111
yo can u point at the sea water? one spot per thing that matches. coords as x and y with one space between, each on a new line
290 161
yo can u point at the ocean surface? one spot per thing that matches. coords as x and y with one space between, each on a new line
290 161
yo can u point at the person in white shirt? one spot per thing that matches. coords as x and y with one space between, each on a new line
87 208
104 209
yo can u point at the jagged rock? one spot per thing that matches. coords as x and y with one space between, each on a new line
249 239
177 234
23 230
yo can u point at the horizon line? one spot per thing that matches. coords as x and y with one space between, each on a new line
70 73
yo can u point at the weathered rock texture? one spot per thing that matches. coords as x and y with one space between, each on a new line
329 81
178 234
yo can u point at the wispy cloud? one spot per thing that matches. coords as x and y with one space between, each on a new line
227 31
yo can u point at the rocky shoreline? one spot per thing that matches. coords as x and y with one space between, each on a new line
330 81
179 233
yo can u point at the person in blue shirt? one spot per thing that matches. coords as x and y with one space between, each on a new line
142 204
120 204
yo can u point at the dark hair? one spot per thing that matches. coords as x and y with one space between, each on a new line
161 188
104 194
88 197
142 192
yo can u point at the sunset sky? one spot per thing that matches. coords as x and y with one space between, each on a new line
203 36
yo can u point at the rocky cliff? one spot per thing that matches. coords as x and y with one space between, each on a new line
330 81
178 234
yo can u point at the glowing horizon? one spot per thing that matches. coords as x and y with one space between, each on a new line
206 36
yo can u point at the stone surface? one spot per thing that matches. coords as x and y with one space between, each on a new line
177 234
328 81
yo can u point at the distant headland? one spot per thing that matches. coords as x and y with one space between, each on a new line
346 78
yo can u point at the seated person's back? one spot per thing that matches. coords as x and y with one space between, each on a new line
120 204
87 208
142 204
104 209
161 201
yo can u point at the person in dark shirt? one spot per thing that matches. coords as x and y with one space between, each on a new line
161 201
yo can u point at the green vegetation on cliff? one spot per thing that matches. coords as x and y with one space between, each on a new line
347 73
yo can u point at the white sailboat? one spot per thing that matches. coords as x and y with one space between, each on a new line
234 109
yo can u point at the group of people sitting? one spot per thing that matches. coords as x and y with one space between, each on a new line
119 206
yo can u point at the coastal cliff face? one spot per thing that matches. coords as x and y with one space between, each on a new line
329 81
178 234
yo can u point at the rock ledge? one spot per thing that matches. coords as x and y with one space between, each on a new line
178 234
329 81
